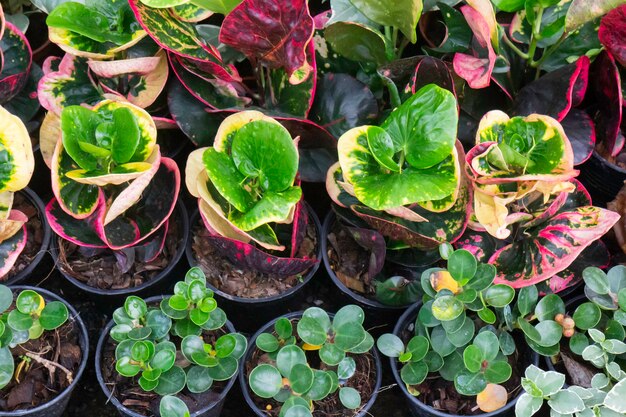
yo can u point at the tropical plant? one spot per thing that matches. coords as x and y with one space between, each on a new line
19 75
17 165
403 180
151 338
530 217
248 194
24 318
460 331
290 377
112 188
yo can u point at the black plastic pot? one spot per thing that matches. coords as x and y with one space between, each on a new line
108 299
210 410
41 266
58 404
377 315
243 381
418 408
602 179
570 306
251 313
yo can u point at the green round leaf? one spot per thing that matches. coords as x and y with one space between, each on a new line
6 298
621 299
499 295
331 355
473 358
322 385
288 357
171 382
440 342
195 274
124 367
350 398
452 365
217 319
267 342
462 265
447 308
550 332
298 411
348 314
349 336
19 321
507 344
301 378
196 291
6 366
163 360
159 323
578 342
426 317
170 312
142 351
418 347
390 345
178 302
454 325
485 274
488 343
346 368
173 407
414 373
498 372
28 302
311 331
283 328
53 315
548 307
434 361
469 383
135 307
527 299
140 333
265 381
225 345
587 315
596 279
464 335
225 368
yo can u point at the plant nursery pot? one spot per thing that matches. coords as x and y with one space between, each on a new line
39 264
251 313
243 378
417 408
377 314
213 409
107 299
602 179
58 404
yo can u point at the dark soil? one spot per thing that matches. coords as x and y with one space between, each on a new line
99 268
34 236
132 396
246 283
38 383
349 261
364 381
442 396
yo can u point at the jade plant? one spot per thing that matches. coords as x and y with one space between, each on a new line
22 319
530 217
400 184
112 188
151 339
17 165
461 334
248 194
290 376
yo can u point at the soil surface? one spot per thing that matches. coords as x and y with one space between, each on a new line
107 269
245 283
34 236
42 377
349 261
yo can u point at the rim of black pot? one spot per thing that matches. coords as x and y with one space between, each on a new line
328 221
252 346
409 315
576 301
45 240
604 161
182 211
84 347
243 300
104 336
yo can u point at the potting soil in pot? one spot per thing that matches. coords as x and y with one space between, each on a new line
34 236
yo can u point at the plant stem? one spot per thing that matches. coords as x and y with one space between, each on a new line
393 91
514 48
536 36
537 64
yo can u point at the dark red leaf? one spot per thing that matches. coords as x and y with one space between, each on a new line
581 132
607 91
612 33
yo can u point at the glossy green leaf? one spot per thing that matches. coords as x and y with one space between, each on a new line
587 315
265 381
53 315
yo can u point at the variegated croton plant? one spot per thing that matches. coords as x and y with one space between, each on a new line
531 218
112 188
16 168
249 196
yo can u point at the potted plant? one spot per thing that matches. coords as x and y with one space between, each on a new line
459 343
258 243
312 362
178 352
526 200
43 353
113 197
398 192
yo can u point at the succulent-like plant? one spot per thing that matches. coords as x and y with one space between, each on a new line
290 377
112 187
28 320
522 175
248 194
17 168
150 338
460 332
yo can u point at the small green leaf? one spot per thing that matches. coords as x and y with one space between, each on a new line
195 274
578 342
587 315
498 372
527 299
348 314
469 383
19 321
311 331
462 265
447 308
331 355
473 358
322 385
178 302
488 343
549 306
283 328
499 295
135 307
487 315
267 342
349 336
346 368
265 381
288 357
6 365
172 381
301 378
350 398
566 402
127 135
53 315
418 347
550 331
29 302
171 406
390 345
596 279
6 298
139 333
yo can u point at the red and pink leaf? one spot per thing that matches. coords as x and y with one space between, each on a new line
82 232
552 246
276 33
612 33
16 60
607 91
581 132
